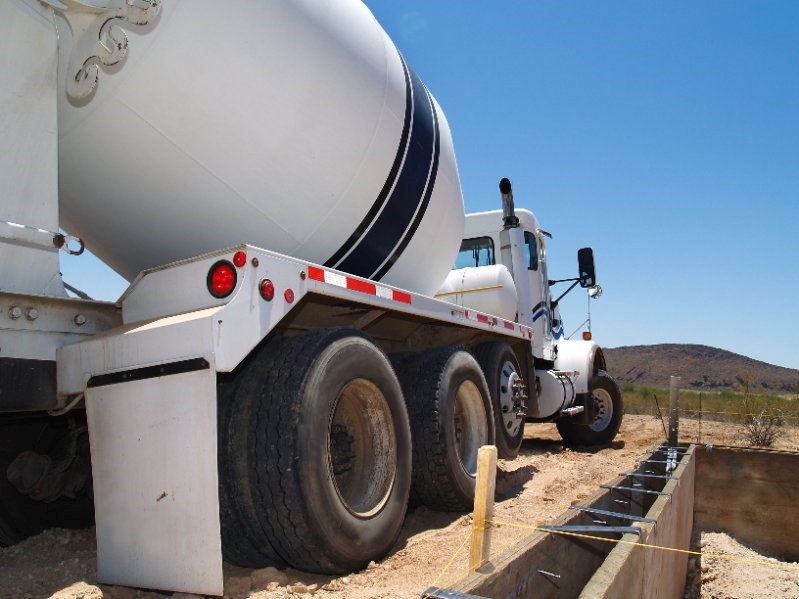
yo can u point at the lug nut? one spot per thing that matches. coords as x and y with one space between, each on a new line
32 314
79 319
15 312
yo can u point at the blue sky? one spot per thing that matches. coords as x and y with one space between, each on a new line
665 135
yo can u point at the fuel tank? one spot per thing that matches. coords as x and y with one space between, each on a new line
294 125
485 288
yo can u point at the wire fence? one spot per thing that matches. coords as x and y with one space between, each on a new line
724 418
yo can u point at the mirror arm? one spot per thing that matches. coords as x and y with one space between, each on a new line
562 281
572 286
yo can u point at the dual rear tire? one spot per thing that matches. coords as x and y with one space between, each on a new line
503 376
450 412
315 451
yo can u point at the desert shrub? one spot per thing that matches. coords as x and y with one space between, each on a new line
763 423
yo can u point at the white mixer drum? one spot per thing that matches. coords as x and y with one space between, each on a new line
292 125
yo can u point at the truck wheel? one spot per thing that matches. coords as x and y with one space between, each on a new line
608 409
244 542
451 418
48 458
501 369
328 449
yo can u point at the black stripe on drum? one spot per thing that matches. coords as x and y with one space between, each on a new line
405 202
392 177
431 183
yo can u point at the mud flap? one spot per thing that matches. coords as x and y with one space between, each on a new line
154 463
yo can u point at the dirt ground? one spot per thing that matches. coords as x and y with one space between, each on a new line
752 575
432 550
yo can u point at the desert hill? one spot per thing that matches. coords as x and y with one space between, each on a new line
700 366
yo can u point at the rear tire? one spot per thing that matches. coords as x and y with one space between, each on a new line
608 409
244 542
451 418
501 369
328 450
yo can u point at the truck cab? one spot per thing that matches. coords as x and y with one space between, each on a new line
486 243
501 268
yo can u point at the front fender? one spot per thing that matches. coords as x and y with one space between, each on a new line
581 356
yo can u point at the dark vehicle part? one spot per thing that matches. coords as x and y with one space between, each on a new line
607 408
449 406
328 451
45 475
508 395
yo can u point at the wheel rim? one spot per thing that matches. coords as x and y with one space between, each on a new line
362 448
471 425
603 410
507 378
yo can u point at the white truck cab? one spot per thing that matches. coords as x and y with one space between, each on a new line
486 242
502 268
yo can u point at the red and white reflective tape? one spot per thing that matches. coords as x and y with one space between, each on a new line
368 287
494 321
346 282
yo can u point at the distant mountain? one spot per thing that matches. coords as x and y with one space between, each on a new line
700 366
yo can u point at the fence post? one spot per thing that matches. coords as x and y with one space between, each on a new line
483 506
674 411
699 437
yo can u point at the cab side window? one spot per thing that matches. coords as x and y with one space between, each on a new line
530 251
478 251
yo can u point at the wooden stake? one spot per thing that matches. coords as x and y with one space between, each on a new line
483 506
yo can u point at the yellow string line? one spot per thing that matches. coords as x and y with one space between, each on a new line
731 558
449 563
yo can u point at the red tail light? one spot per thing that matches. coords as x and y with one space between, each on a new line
239 258
222 279
267 289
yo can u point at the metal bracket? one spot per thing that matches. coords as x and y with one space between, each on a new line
591 529
436 593
665 448
634 490
640 475
573 411
593 510
35 237
98 38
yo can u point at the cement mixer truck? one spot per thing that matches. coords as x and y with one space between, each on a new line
313 332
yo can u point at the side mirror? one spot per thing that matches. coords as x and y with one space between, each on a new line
585 264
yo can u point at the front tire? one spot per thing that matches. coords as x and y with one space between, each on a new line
451 418
608 409
328 450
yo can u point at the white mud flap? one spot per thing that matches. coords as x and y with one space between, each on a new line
154 463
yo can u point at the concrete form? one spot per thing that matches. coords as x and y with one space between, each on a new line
550 565
746 492
635 571
751 493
